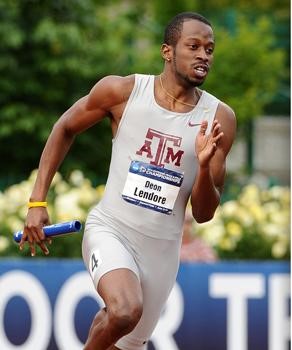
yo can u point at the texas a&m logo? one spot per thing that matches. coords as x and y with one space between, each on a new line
161 148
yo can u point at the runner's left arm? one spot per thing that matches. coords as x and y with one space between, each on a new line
211 151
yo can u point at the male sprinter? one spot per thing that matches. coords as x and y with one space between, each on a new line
170 142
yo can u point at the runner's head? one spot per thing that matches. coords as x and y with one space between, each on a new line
188 47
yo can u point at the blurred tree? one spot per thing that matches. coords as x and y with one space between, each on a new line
278 15
51 53
253 71
247 67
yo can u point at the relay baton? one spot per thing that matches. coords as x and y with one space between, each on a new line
60 229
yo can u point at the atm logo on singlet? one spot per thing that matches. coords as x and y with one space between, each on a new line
161 148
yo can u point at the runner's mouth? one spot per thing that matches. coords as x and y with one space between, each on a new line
201 71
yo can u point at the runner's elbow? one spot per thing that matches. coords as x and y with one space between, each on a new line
203 216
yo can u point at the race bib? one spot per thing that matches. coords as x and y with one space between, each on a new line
152 187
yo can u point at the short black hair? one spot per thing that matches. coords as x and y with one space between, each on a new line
173 29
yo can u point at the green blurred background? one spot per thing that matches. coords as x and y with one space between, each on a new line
53 52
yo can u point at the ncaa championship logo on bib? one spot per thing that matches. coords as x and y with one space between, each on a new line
152 187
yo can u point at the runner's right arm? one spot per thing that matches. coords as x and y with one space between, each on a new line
106 96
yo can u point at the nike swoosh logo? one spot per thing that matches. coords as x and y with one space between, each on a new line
194 124
206 110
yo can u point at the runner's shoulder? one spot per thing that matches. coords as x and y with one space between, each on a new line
225 111
117 86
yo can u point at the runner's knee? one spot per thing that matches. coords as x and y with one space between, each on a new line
124 316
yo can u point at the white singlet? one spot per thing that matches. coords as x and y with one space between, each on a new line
138 223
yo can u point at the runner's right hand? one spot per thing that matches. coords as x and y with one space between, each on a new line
33 232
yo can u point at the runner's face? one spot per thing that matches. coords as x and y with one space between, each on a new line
193 54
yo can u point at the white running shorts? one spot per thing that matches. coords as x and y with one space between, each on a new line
108 245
